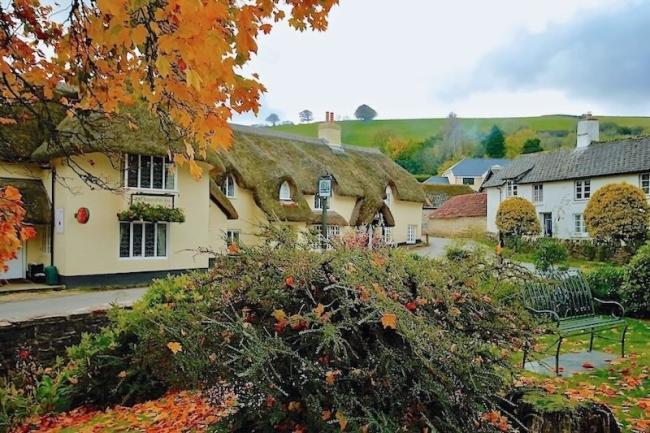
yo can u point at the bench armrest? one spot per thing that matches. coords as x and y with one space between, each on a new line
616 304
551 313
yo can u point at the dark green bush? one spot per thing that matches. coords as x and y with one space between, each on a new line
549 252
635 292
315 340
605 282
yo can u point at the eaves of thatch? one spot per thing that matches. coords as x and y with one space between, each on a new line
34 197
261 160
219 198
333 218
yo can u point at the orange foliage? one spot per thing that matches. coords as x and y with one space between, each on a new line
183 58
12 230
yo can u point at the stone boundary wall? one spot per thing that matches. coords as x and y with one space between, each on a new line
45 337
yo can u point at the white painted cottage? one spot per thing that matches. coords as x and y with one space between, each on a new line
560 183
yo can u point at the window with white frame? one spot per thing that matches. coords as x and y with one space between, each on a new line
232 237
318 202
582 189
285 191
141 240
389 196
149 172
332 233
511 188
387 235
644 182
228 186
579 224
47 245
538 193
411 234
468 181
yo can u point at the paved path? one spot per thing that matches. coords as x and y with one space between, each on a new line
436 247
62 303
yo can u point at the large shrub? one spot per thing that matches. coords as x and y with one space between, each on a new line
377 341
606 282
517 216
635 292
618 212
549 253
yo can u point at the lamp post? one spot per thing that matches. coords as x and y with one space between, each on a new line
324 192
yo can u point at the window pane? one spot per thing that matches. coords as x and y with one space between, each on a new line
132 171
158 168
169 175
161 246
149 240
145 172
137 239
125 239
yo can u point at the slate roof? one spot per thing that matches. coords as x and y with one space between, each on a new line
475 167
436 180
598 159
462 206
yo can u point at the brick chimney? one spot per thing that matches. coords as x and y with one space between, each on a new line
329 130
588 130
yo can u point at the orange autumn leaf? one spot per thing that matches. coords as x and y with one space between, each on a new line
341 418
389 321
175 347
290 281
330 376
319 310
12 194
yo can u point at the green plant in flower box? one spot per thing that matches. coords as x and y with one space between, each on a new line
147 212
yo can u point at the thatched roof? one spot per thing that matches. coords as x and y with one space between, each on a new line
220 199
333 218
34 199
261 160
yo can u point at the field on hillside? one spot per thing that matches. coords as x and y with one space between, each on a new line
362 133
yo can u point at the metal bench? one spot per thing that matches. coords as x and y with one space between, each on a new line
565 300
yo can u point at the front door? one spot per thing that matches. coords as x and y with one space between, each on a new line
547 224
16 267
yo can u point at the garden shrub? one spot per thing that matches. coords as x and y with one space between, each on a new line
549 252
350 339
635 292
517 217
618 213
605 282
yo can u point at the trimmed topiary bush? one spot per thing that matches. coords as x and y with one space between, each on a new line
635 292
517 217
348 339
618 213
549 253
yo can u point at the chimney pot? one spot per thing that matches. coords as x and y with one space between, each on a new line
588 130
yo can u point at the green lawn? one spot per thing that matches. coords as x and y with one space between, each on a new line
361 133
624 385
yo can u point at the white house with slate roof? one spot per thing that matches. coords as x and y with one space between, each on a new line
470 172
560 183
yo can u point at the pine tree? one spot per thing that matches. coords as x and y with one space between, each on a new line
495 143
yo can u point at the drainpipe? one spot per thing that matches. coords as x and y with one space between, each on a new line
52 216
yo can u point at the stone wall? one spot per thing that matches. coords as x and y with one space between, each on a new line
47 337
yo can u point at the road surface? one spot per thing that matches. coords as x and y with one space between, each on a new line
63 304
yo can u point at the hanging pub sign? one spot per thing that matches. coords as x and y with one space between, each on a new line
325 186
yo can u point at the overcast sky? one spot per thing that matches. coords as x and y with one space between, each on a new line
425 58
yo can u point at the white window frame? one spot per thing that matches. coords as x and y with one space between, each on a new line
47 245
644 182
538 192
155 245
389 196
166 165
333 231
318 202
411 234
231 235
387 236
579 227
582 189
470 181
511 189
228 186
285 191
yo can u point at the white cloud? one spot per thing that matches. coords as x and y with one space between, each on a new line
400 56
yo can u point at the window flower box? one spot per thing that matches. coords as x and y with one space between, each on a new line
149 213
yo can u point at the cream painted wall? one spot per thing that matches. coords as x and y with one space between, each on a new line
93 248
558 199
406 213
456 226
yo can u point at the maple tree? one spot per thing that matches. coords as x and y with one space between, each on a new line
183 59
13 232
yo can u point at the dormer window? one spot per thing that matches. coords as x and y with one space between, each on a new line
389 196
511 188
285 191
228 186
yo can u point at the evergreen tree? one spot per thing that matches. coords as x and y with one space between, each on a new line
495 143
532 145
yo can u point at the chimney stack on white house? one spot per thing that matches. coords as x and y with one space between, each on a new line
588 130
330 131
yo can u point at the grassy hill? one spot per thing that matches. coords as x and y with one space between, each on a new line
363 133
